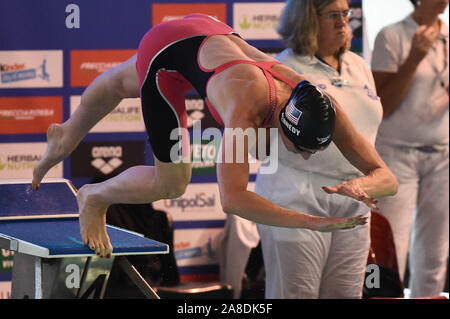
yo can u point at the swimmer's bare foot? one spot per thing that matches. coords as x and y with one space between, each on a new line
93 222
57 150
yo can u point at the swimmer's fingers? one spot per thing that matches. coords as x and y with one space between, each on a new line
352 222
370 202
332 224
358 220
354 191
331 190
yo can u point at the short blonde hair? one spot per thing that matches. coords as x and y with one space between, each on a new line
299 26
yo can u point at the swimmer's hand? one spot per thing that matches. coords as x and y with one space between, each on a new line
353 189
325 224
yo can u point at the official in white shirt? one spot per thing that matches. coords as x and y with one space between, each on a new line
410 64
300 263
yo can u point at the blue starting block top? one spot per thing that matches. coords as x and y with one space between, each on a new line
45 223
61 238
20 201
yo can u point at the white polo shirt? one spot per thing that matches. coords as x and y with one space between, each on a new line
422 117
355 91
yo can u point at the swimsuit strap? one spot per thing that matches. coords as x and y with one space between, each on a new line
265 65
272 97
278 75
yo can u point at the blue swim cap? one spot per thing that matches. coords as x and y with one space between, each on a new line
308 118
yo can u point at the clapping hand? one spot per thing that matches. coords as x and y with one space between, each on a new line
422 41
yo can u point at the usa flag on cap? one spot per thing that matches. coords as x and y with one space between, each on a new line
293 113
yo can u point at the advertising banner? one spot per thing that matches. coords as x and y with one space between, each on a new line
106 159
257 20
29 115
169 11
17 160
86 65
31 69
126 117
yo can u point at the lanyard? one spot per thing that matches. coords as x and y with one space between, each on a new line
322 60
440 74
336 80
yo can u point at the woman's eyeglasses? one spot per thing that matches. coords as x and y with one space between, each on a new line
336 15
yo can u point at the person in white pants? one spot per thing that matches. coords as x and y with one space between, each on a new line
300 263
233 246
410 64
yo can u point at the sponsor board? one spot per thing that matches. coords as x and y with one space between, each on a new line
356 24
17 160
86 65
203 154
106 159
6 261
257 20
193 247
201 201
6 266
204 157
197 110
5 289
29 115
273 52
126 117
31 69
162 12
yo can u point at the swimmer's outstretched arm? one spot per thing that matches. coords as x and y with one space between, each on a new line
99 99
236 199
378 181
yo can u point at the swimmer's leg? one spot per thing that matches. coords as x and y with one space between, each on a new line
99 99
164 112
136 185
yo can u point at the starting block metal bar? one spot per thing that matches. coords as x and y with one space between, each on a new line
137 279
62 278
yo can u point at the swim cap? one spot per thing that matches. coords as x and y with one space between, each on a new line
308 118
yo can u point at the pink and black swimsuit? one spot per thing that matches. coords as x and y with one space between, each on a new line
168 66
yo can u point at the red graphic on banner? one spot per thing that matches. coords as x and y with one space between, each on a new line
29 115
86 65
165 12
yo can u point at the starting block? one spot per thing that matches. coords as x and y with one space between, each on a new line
50 260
